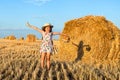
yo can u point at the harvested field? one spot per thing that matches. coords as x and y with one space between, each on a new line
20 60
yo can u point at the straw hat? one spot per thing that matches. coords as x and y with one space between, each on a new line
46 25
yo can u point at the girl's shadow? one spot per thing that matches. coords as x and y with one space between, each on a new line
80 51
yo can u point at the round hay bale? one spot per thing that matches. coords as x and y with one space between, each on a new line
90 37
11 37
7 37
31 38
22 38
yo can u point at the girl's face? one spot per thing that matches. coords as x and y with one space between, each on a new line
47 29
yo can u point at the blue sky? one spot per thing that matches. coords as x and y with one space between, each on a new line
15 13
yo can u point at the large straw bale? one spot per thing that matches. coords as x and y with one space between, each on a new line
31 38
90 37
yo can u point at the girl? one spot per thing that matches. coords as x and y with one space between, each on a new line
47 44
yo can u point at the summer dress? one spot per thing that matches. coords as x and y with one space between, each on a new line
46 45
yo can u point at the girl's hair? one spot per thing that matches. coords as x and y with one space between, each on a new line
47 26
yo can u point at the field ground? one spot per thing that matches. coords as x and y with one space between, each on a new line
20 60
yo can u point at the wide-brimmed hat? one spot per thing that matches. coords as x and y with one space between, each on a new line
46 25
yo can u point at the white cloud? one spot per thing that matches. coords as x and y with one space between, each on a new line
37 2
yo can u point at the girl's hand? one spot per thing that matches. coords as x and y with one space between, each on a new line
66 38
28 24
34 27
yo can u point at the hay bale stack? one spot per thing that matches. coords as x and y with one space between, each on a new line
11 37
90 37
31 38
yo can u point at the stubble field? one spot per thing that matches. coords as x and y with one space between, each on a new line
21 61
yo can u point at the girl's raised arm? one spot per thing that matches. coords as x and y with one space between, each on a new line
58 33
34 27
66 37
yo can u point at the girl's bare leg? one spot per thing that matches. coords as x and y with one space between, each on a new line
42 59
48 61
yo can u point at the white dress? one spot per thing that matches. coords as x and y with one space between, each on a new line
47 44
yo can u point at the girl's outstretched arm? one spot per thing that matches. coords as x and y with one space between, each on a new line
58 33
66 37
34 27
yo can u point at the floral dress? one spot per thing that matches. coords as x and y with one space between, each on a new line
46 45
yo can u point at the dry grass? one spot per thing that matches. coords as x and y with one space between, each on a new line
21 61
90 37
